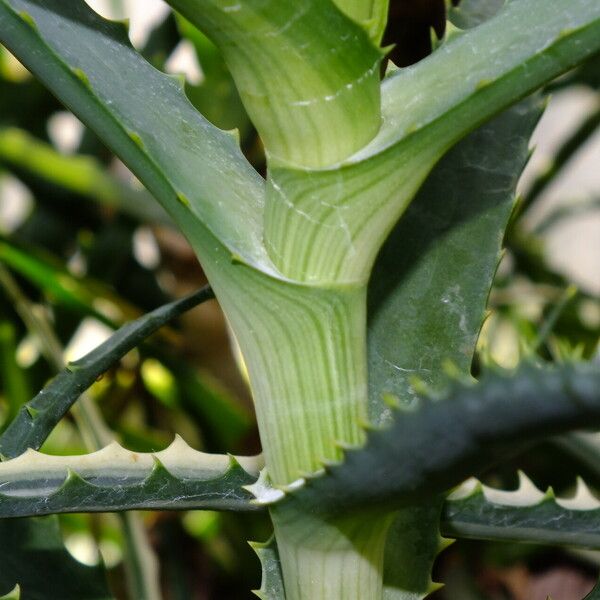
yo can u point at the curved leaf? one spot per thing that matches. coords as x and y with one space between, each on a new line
308 75
37 418
524 515
115 479
195 170
328 225
435 445
427 299
271 587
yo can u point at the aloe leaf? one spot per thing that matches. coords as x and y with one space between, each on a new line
430 284
427 300
115 479
524 515
28 543
199 175
37 418
307 74
436 444
271 587
84 175
329 224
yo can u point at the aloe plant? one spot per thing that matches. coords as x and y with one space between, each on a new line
354 276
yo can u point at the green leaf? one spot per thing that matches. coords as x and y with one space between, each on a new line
37 418
271 587
328 225
436 444
524 515
430 284
115 479
308 75
14 594
25 545
427 299
412 544
195 170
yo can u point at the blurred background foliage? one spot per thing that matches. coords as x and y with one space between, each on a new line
88 249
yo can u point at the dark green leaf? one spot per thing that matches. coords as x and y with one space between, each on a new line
437 444
115 479
428 295
525 515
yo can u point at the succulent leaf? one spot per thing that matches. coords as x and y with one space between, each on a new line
115 479
199 176
527 514
436 444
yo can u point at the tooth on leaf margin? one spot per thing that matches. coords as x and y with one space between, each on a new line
527 494
582 500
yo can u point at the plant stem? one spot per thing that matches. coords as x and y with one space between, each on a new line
305 352
331 559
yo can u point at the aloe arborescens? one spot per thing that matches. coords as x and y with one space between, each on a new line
291 259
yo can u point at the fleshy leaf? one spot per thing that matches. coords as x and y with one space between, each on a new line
115 479
436 444
430 284
37 418
195 170
308 75
427 299
328 224
524 515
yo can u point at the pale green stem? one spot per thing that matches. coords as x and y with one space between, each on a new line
305 352
331 559
140 562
